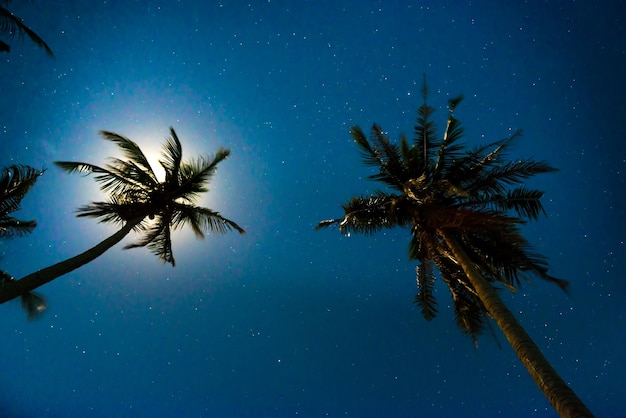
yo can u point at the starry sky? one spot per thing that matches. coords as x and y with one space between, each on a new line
286 321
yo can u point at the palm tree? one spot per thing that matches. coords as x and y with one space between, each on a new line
139 201
15 182
11 25
457 205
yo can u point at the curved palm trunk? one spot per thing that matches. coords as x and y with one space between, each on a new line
43 276
562 398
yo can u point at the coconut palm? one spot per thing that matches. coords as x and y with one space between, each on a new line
463 209
11 26
139 201
15 182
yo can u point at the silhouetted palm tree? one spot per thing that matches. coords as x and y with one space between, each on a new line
15 182
139 201
456 204
11 26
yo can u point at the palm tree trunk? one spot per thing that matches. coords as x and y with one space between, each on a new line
562 398
39 278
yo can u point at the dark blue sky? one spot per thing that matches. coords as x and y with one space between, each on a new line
285 321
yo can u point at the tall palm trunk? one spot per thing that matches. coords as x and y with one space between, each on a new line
34 280
562 398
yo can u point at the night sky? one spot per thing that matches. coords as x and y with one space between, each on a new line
286 321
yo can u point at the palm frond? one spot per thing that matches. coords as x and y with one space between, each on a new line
115 211
416 249
172 156
196 173
392 170
369 154
15 182
130 150
469 169
34 305
12 25
327 222
11 227
469 313
425 141
448 150
525 202
507 256
161 244
158 239
366 215
410 158
106 212
516 171
425 283
135 175
78 167
202 220
116 178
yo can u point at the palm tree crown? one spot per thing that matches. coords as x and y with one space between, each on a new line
436 185
154 207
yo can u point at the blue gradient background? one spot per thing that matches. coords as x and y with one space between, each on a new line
285 321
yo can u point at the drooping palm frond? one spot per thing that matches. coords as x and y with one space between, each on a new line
469 313
33 303
202 220
15 182
425 282
11 26
11 227
507 258
158 238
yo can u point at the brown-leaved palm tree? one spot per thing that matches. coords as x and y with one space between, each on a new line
463 209
139 201
15 182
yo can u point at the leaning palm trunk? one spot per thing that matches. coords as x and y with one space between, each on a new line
562 398
39 278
